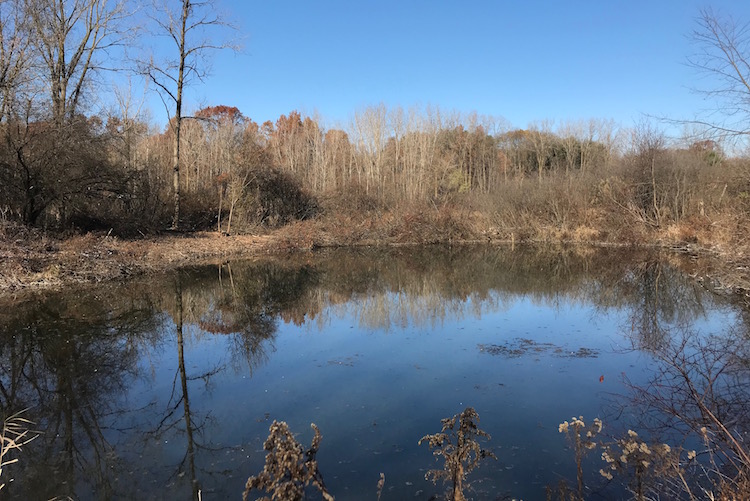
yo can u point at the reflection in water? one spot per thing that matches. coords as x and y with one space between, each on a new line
139 388
64 359
698 395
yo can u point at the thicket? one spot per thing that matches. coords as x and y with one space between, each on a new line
645 469
416 175
439 180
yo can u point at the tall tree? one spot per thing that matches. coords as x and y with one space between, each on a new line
723 55
14 53
72 39
184 23
541 139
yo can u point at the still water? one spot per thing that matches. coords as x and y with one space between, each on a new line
165 388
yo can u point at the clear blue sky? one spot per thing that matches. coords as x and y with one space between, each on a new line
522 60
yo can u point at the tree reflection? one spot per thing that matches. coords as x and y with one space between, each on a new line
74 359
180 398
699 394
425 286
242 306
68 360
247 303
661 298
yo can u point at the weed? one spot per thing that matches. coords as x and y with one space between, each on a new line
582 439
381 484
14 436
459 448
646 467
288 470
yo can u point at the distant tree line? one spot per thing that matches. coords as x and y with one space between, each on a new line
64 166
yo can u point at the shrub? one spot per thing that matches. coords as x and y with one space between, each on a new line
458 444
288 470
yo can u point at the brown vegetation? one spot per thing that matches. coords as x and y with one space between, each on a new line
457 443
392 176
288 470
15 434
31 259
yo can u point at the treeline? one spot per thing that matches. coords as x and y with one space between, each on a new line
64 166
114 172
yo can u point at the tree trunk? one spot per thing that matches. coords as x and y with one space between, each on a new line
221 192
178 116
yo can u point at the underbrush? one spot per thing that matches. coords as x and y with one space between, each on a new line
628 463
554 210
706 209
417 223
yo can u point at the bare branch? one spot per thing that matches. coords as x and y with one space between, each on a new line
71 39
195 18
723 57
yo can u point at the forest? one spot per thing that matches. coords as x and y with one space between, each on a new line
391 175
91 189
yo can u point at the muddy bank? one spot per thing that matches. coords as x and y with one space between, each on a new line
33 261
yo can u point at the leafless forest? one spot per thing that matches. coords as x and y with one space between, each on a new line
416 174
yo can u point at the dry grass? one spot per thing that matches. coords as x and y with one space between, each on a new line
15 435
32 260
585 210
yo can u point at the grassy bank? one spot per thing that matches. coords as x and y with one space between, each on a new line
31 259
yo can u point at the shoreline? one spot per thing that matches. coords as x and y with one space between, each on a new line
39 263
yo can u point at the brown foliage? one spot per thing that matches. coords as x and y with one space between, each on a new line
288 470
457 443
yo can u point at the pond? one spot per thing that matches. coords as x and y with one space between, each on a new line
165 388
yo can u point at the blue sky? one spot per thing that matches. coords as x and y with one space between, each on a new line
521 60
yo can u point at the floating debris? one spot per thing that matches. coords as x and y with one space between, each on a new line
522 346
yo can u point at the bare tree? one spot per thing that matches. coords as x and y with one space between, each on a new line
723 55
370 128
14 53
129 119
187 27
567 132
72 39
541 139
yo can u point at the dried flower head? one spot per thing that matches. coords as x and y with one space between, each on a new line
288 469
458 444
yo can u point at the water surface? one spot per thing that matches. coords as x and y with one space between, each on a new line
166 387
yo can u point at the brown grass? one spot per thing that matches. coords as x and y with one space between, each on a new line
31 260
15 434
552 212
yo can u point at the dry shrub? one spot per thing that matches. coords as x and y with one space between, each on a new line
425 224
649 469
302 235
730 489
14 234
288 469
198 210
588 234
458 445
410 224
274 199
14 436
558 207
351 199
